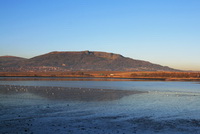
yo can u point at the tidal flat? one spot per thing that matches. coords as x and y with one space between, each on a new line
104 107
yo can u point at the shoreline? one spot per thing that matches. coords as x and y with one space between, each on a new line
74 78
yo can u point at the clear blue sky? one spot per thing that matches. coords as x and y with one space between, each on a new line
165 32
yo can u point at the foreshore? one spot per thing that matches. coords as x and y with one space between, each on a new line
47 109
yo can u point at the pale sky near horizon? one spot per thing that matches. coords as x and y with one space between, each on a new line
165 32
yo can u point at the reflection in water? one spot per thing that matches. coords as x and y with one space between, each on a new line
69 94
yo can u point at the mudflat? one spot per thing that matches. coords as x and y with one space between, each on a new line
67 93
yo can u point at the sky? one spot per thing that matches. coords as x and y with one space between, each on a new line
165 32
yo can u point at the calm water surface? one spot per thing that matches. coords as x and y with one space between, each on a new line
174 105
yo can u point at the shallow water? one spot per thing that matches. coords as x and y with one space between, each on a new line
165 107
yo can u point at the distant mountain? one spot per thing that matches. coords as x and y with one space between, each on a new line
77 61
8 63
10 59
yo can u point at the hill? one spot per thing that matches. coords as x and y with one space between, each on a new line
77 61
9 63
9 59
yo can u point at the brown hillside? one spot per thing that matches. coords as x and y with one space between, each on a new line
84 61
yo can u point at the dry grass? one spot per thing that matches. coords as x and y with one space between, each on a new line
111 74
